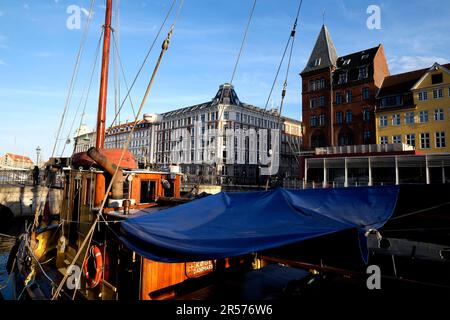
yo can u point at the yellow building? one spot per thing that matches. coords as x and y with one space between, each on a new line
414 108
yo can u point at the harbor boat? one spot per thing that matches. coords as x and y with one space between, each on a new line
126 233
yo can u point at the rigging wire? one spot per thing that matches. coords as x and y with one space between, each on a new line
291 41
243 41
164 48
238 57
144 61
74 76
67 103
88 86
115 54
123 76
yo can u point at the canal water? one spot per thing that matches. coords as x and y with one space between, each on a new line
6 286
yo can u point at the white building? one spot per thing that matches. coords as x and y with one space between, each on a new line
154 139
225 111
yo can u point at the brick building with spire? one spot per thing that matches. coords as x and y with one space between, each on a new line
338 94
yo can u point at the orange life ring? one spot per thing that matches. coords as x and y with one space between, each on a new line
95 254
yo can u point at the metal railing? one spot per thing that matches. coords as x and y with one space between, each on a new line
11 176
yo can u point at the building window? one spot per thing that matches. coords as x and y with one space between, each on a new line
367 136
423 116
339 117
411 139
409 117
423 95
437 78
365 93
313 103
383 121
348 116
437 93
322 83
313 121
349 96
339 98
342 78
397 139
322 101
391 101
384 140
202 118
439 114
440 139
363 73
396 119
366 114
322 120
317 62
425 140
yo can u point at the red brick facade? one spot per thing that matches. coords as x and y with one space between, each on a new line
339 108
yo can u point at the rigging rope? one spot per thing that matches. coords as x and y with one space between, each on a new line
164 48
291 38
243 41
291 41
116 67
67 103
88 86
74 76
238 57
123 75
145 61
421 211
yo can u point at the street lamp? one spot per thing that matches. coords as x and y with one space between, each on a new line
38 154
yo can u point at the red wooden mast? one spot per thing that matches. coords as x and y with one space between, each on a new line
101 114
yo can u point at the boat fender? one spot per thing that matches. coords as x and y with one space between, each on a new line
96 255
62 244
165 183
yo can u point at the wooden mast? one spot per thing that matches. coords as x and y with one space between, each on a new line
101 113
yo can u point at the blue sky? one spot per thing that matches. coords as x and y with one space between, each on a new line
37 54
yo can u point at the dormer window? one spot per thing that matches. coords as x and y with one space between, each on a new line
436 78
346 62
363 73
364 56
342 78
317 62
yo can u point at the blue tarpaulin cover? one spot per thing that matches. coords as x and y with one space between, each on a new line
232 224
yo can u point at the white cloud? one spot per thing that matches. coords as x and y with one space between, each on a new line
43 54
399 64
